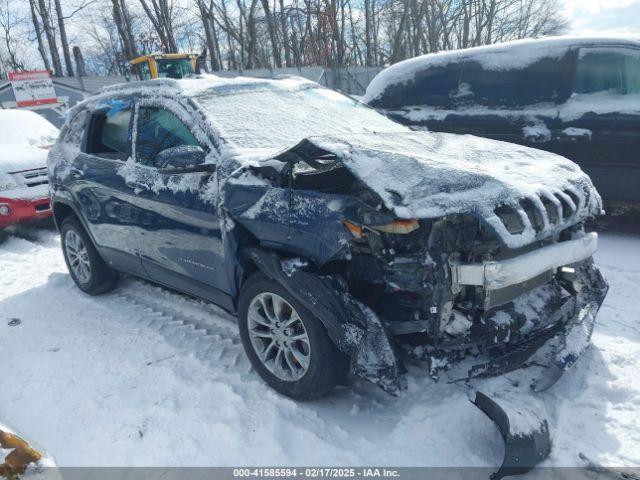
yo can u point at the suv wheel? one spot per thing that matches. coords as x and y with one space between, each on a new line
286 344
88 270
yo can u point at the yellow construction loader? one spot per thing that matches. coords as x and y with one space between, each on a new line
164 65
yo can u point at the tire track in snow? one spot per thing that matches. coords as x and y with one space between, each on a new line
186 326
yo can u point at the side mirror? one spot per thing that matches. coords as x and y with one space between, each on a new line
180 157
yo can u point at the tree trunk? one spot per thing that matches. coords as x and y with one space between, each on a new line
206 23
66 51
51 39
271 26
36 26
285 36
77 55
123 25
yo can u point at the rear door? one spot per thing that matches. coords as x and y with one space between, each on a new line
107 202
181 246
600 123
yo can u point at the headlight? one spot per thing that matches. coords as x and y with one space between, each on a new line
5 210
398 227
7 182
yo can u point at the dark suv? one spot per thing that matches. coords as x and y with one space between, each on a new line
343 240
578 97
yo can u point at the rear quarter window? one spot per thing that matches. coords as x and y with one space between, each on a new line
74 131
432 86
109 134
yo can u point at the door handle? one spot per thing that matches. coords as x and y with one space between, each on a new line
139 187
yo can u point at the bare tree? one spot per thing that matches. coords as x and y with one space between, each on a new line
10 55
63 38
160 14
123 23
38 30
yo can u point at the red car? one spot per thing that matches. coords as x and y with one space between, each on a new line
25 138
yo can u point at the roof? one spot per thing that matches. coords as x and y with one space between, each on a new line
209 83
501 56
161 56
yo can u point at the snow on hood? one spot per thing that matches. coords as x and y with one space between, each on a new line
18 157
429 175
26 127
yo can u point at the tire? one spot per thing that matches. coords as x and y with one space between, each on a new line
97 277
326 366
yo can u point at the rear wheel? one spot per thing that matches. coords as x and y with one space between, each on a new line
87 269
286 344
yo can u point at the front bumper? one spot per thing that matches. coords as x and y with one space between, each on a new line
559 337
494 275
24 210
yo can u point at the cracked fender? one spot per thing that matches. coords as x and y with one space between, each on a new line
352 326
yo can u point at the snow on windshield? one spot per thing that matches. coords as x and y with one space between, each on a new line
23 126
278 118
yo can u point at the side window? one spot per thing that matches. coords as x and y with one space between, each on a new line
158 130
144 73
109 134
614 70
541 81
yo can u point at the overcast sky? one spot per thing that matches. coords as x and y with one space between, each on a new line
591 16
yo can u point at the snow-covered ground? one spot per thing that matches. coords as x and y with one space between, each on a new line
144 376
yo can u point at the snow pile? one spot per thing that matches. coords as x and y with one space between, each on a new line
538 132
18 157
576 107
512 55
577 132
25 127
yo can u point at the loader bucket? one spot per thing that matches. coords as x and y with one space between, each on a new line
522 451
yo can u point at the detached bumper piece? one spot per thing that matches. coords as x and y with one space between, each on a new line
522 450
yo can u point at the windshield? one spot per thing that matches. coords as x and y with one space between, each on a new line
175 68
278 118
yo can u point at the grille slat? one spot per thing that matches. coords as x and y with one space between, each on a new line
543 213
33 178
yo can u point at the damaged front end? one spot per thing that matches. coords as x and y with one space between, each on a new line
470 293
456 291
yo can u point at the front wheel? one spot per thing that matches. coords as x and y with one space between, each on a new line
89 272
286 344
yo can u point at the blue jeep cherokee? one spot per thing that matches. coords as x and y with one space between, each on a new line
343 241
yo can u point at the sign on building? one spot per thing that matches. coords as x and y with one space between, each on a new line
32 88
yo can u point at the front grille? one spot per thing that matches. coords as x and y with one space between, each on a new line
33 178
543 213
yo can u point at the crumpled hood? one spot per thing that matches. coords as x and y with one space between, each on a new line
19 157
428 175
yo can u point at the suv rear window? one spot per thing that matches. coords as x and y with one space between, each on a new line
109 135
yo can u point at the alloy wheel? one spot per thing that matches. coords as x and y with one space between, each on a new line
78 256
278 336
